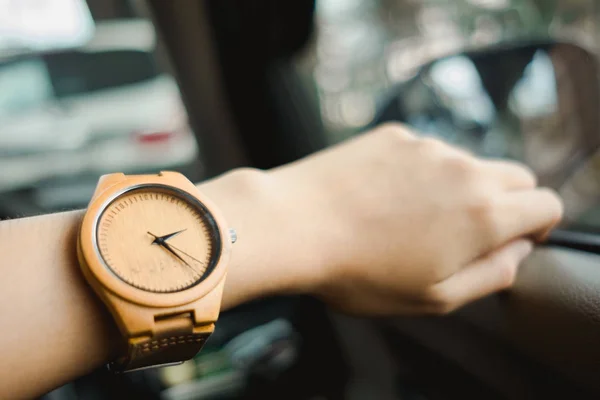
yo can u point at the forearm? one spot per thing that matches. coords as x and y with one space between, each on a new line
54 327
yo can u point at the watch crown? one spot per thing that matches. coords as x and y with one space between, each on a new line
233 235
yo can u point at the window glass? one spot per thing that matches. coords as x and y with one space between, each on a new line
25 85
83 99
76 73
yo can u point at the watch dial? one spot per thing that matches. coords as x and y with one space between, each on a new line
158 240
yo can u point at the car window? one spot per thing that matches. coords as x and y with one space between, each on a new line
72 110
25 85
76 73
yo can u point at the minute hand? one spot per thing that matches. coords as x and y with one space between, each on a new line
181 251
170 250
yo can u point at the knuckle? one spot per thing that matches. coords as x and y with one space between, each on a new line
461 167
431 146
553 202
394 132
482 211
528 175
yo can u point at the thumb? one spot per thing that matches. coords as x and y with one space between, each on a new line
493 272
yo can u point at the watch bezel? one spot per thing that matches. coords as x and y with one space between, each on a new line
99 273
209 220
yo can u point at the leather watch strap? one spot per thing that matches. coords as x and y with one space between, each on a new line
174 339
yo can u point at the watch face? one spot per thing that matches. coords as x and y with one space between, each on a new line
158 239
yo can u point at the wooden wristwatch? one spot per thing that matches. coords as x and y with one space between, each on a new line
155 250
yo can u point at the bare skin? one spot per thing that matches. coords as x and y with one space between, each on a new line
385 224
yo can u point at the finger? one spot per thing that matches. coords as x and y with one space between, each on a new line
510 175
524 213
494 272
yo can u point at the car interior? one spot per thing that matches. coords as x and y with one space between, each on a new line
206 86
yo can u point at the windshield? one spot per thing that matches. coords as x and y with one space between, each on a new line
70 113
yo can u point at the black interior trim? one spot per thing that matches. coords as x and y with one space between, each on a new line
577 240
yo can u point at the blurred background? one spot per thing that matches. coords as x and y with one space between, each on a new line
109 102
89 90
85 91
361 48
90 87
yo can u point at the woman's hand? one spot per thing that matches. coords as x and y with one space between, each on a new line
390 223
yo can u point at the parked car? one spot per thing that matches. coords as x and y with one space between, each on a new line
107 106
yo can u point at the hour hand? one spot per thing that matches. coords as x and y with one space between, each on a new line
170 235
170 250
161 239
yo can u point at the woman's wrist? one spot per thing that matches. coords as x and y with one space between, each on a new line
278 250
